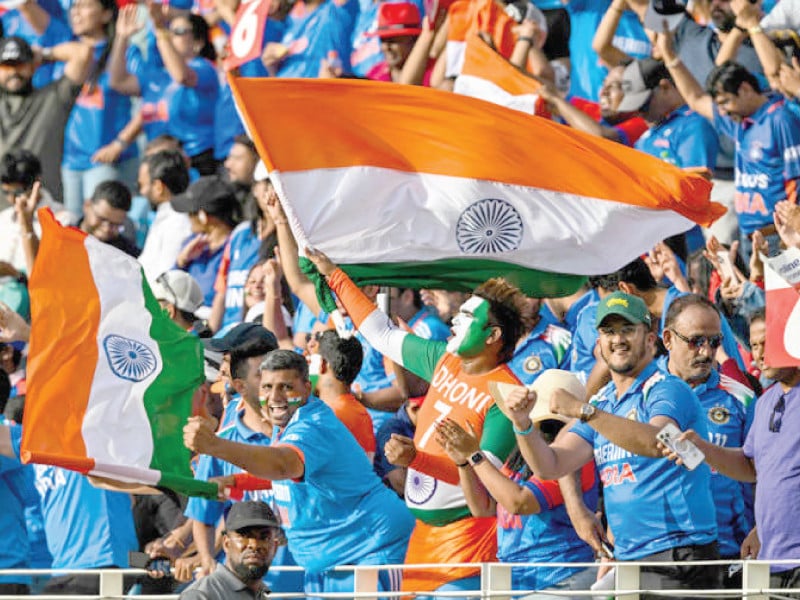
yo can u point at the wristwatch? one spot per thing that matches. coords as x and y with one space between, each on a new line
587 412
476 458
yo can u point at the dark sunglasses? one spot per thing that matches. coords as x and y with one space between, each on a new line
698 341
776 418
181 30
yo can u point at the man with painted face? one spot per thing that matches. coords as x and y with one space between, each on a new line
485 331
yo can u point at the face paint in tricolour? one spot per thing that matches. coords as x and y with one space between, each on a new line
470 328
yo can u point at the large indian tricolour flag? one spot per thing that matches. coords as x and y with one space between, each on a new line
110 376
408 186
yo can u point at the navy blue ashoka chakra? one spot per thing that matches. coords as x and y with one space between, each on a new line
489 226
129 359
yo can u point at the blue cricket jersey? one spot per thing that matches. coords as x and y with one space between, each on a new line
98 116
652 504
339 512
546 347
684 139
547 536
767 155
728 424
209 511
15 495
311 36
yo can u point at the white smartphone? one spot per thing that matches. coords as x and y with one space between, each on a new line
690 454
726 266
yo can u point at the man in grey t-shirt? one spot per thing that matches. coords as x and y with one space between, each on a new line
35 119
252 535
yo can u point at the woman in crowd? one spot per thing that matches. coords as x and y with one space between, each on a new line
179 97
98 140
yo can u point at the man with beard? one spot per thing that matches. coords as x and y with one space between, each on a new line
643 494
240 166
35 119
771 452
251 538
692 334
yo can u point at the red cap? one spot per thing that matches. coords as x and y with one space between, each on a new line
398 18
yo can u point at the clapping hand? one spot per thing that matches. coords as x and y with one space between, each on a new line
455 441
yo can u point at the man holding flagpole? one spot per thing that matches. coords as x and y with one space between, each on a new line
486 330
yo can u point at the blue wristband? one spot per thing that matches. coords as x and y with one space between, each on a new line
523 431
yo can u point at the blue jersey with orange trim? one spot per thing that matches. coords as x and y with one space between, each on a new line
652 504
767 156
728 424
240 254
547 536
339 512
184 112
584 338
684 139
311 36
100 113
546 347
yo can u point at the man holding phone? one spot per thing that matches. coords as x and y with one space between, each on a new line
655 512
692 334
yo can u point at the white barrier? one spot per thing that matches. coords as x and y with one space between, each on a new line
495 582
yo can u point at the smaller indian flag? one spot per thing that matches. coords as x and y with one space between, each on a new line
488 76
110 376
782 284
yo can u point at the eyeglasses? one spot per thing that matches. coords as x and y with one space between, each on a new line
698 341
104 221
181 30
776 418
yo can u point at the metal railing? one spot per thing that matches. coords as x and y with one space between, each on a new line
495 582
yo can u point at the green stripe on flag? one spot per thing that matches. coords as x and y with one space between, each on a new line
464 275
168 400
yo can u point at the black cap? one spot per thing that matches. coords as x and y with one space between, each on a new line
242 333
14 49
209 194
252 513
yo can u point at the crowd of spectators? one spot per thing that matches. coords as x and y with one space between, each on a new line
119 117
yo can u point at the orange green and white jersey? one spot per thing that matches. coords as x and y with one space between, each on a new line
433 492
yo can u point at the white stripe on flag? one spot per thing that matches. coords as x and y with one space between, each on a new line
377 215
454 59
477 87
127 474
116 429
